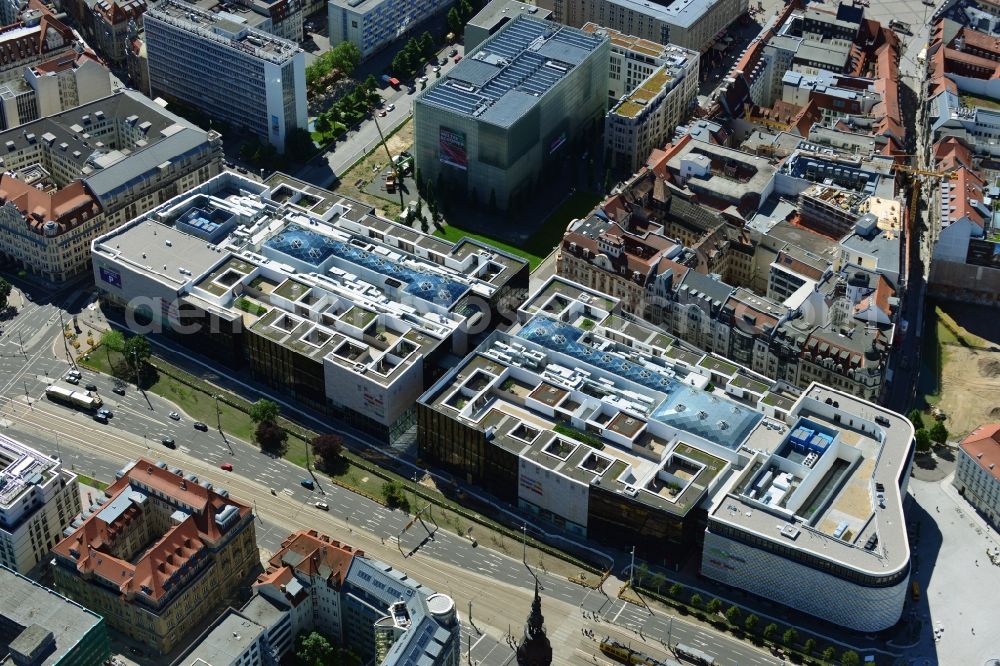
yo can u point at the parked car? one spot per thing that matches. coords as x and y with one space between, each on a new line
390 107
453 53
442 61
307 483
436 68
228 467
198 425
168 442
457 58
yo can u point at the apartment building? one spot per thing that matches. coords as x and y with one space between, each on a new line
61 83
40 626
693 25
977 476
73 176
236 74
158 553
107 22
646 115
716 176
756 298
231 640
495 122
371 25
34 37
316 583
38 499
346 312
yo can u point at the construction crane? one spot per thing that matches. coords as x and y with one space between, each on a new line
947 175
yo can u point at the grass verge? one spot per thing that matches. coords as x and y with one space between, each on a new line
545 239
363 475
92 482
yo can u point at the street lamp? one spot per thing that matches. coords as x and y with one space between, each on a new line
218 412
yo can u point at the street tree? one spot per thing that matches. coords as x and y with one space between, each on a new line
327 448
113 341
923 440
751 622
454 21
770 631
850 658
264 411
829 653
136 351
271 437
733 614
676 590
696 600
916 418
714 605
789 636
938 433
5 289
809 646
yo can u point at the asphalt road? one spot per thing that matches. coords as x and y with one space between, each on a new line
497 586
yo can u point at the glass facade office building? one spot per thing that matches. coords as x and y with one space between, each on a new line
510 109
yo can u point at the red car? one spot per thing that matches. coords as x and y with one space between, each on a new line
457 58
226 466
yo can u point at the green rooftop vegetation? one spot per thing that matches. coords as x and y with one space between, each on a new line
247 305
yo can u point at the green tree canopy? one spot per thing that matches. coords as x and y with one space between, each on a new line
850 658
264 411
5 289
916 418
136 349
315 650
696 600
789 636
923 440
770 631
454 21
751 622
938 433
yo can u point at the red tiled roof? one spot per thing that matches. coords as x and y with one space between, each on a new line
983 444
66 207
92 544
967 186
312 554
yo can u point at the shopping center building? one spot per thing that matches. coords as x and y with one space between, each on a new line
604 427
342 310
